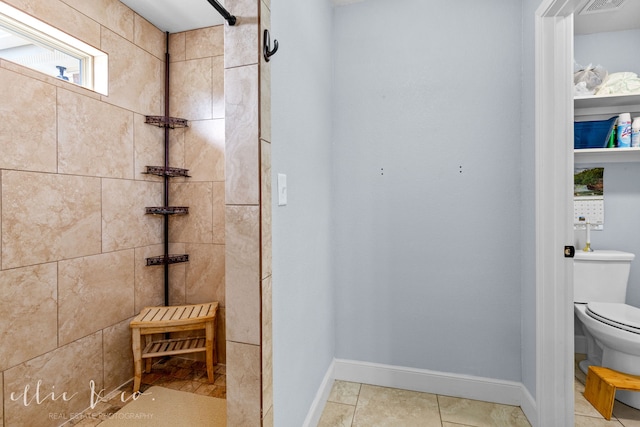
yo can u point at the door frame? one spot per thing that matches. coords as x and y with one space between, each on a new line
554 228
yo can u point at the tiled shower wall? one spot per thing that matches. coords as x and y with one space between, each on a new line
248 217
73 233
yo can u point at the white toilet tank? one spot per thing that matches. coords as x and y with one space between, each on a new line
601 276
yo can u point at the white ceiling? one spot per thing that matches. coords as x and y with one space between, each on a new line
181 15
627 17
175 16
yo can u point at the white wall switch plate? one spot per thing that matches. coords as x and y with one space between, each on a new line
282 189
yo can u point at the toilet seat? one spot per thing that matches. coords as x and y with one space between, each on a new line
619 315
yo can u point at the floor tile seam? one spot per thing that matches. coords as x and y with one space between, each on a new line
439 411
355 407
598 417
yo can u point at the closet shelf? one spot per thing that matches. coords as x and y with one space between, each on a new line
166 122
606 104
167 171
167 259
607 155
167 210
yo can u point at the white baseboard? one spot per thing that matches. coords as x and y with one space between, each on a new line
456 385
322 395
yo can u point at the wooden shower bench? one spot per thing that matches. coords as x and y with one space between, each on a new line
602 384
162 320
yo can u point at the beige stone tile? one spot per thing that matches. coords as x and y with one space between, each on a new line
176 150
344 392
205 273
103 281
204 42
60 15
204 150
267 343
118 355
265 208
28 313
90 145
197 225
149 37
265 102
477 413
113 14
149 280
265 77
136 77
177 276
381 407
28 125
191 89
241 136
124 222
336 415
218 213
68 369
243 274
148 148
267 420
267 3
243 385
177 47
628 416
217 69
241 40
48 217
584 421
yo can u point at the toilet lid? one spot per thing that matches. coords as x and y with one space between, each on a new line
621 316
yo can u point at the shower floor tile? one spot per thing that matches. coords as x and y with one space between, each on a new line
171 372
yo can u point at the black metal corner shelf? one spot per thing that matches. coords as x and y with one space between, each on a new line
166 122
167 210
167 171
167 259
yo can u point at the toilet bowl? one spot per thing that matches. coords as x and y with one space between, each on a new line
612 328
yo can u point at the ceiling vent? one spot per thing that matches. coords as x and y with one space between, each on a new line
597 6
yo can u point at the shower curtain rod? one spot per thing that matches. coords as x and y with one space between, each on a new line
225 14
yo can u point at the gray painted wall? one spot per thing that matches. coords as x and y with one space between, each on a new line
303 314
621 181
420 152
527 194
427 196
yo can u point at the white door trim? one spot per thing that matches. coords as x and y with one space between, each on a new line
554 189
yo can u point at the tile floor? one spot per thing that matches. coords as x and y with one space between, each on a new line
362 405
170 372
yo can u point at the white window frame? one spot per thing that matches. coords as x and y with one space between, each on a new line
94 62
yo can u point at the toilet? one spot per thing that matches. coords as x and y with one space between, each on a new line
611 327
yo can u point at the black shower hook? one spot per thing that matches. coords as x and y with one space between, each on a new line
266 49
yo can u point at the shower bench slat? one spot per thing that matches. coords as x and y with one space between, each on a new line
162 320
174 346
